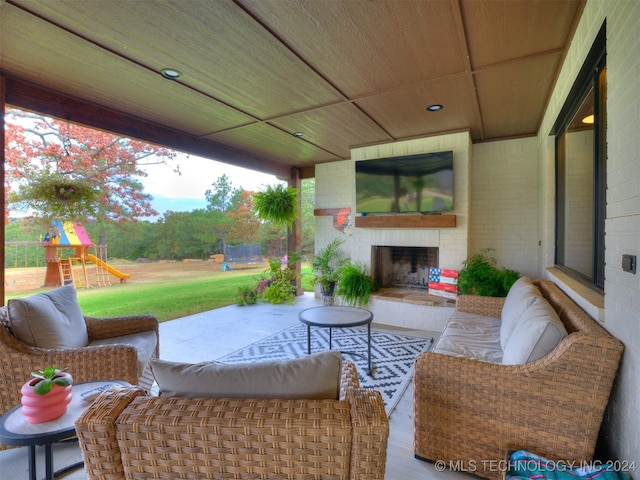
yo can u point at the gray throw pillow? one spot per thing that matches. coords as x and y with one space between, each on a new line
315 376
49 320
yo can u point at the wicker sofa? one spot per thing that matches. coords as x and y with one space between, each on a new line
469 413
106 355
127 434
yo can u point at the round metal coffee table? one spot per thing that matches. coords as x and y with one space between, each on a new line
337 317
15 430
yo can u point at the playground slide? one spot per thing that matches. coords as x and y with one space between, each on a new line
113 271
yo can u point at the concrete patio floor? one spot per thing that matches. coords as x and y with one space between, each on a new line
213 334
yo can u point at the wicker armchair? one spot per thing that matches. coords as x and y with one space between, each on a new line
88 363
470 413
127 434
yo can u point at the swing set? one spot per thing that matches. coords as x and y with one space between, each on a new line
24 266
70 258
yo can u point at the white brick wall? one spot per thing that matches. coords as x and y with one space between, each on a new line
504 206
622 289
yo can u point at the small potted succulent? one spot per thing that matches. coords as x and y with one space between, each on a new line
46 396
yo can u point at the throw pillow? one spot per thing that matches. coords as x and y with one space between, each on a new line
520 296
49 320
315 376
536 334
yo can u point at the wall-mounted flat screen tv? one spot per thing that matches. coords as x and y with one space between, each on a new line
413 183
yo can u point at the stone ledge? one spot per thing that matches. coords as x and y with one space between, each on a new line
415 297
410 309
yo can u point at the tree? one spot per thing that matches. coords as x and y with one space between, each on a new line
245 225
224 196
53 163
222 199
181 235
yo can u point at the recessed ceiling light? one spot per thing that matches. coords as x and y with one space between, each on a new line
589 119
434 108
298 134
171 73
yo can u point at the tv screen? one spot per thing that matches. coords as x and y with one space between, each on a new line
413 183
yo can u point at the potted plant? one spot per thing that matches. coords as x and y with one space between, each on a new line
278 204
61 196
279 285
326 266
355 285
480 276
247 295
46 396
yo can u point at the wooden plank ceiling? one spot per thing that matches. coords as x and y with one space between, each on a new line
344 73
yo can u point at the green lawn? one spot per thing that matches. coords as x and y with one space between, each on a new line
168 299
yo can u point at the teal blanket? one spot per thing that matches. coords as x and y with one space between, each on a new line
524 465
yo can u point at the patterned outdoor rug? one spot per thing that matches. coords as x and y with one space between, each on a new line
392 355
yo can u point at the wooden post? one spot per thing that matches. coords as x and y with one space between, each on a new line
3 96
294 241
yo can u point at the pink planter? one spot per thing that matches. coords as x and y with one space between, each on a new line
43 408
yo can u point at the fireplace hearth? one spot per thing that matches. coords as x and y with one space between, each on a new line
403 267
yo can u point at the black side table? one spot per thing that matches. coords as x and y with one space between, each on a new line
15 430
337 317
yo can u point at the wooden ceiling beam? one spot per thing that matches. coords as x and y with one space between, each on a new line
32 97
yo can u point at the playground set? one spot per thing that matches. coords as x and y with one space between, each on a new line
67 247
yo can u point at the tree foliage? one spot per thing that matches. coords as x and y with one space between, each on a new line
245 225
224 196
183 235
40 149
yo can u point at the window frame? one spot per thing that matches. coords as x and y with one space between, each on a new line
591 75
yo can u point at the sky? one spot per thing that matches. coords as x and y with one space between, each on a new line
185 192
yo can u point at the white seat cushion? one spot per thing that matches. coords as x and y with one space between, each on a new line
471 336
315 376
49 320
144 342
536 334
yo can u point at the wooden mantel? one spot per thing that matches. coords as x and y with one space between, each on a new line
407 221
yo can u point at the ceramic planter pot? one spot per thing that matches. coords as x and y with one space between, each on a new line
43 408
326 291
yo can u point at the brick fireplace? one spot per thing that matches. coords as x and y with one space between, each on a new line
335 189
403 266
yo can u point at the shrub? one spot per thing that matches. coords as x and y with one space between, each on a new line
480 276
355 284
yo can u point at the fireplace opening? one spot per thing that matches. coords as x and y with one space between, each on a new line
403 267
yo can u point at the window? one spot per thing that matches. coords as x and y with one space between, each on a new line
581 172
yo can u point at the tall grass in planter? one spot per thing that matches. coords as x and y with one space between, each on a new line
355 284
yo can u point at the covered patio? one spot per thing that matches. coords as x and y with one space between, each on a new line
304 89
214 334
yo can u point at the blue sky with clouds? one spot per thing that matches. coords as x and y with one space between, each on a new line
185 192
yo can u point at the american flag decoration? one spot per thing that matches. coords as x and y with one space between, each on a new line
443 282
